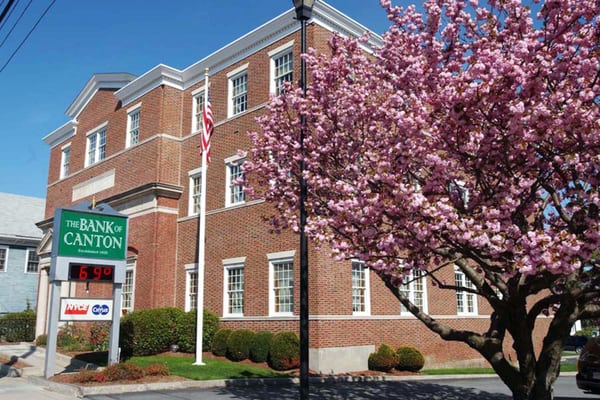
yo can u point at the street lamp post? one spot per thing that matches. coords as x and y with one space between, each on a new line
303 14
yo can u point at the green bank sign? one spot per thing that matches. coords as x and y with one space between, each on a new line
92 235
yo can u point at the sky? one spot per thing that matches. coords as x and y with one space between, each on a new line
77 38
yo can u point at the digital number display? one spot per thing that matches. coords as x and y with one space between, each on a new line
91 272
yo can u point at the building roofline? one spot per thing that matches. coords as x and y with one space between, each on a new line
113 80
61 133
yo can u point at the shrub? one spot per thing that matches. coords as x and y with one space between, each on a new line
99 336
123 371
238 344
72 338
219 345
186 330
409 359
384 359
41 340
18 326
260 346
157 369
285 351
148 332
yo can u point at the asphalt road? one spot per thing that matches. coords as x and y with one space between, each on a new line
460 389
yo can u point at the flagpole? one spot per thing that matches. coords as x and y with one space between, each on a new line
201 239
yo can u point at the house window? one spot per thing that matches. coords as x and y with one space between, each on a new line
3 258
234 181
65 161
466 302
195 191
133 126
128 288
96 146
191 287
281 284
238 91
282 67
197 107
360 289
415 289
33 261
234 289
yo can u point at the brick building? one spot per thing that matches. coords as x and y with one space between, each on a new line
134 143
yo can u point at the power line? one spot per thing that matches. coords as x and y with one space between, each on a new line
15 24
27 36
6 9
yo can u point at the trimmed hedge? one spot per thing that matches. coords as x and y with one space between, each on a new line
219 345
18 326
238 344
148 332
409 359
285 351
260 346
186 331
384 359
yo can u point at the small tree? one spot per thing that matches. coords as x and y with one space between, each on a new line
467 142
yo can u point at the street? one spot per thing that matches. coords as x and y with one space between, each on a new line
458 389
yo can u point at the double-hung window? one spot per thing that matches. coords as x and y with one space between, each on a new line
238 91
32 262
281 284
415 289
3 258
360 289
466 302
197 107
128 287
96 145
133 125
233 292
65 161
234 180
195 191
191 287
282 67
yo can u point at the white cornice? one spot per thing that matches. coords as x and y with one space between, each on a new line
96 82
61 134
159 75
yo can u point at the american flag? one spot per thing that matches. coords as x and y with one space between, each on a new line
208 126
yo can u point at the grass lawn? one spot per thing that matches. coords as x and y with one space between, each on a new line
214 369
476 371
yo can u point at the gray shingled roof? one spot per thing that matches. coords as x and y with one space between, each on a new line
18 215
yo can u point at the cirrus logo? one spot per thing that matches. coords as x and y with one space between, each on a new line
100 309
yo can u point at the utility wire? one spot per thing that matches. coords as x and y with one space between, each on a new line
15 24
6 10
28 34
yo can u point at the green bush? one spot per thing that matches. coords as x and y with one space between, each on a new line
186 331
260 346
219 345
238 344
409 359
384 359
18 326
285 351
99 336
148 332
41 340
72 338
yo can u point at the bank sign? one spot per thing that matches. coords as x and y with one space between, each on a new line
72 309
92 235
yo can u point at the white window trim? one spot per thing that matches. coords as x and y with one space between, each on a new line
242 69
195 173
228 264
131 110
228 162
5 269
63 150
411 283
367 272
464 295
280 257
189 269
131 266
91 132
30 249
201 91
274 54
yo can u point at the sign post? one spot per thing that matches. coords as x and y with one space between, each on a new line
89 245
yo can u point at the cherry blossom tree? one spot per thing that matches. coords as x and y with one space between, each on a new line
471 140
